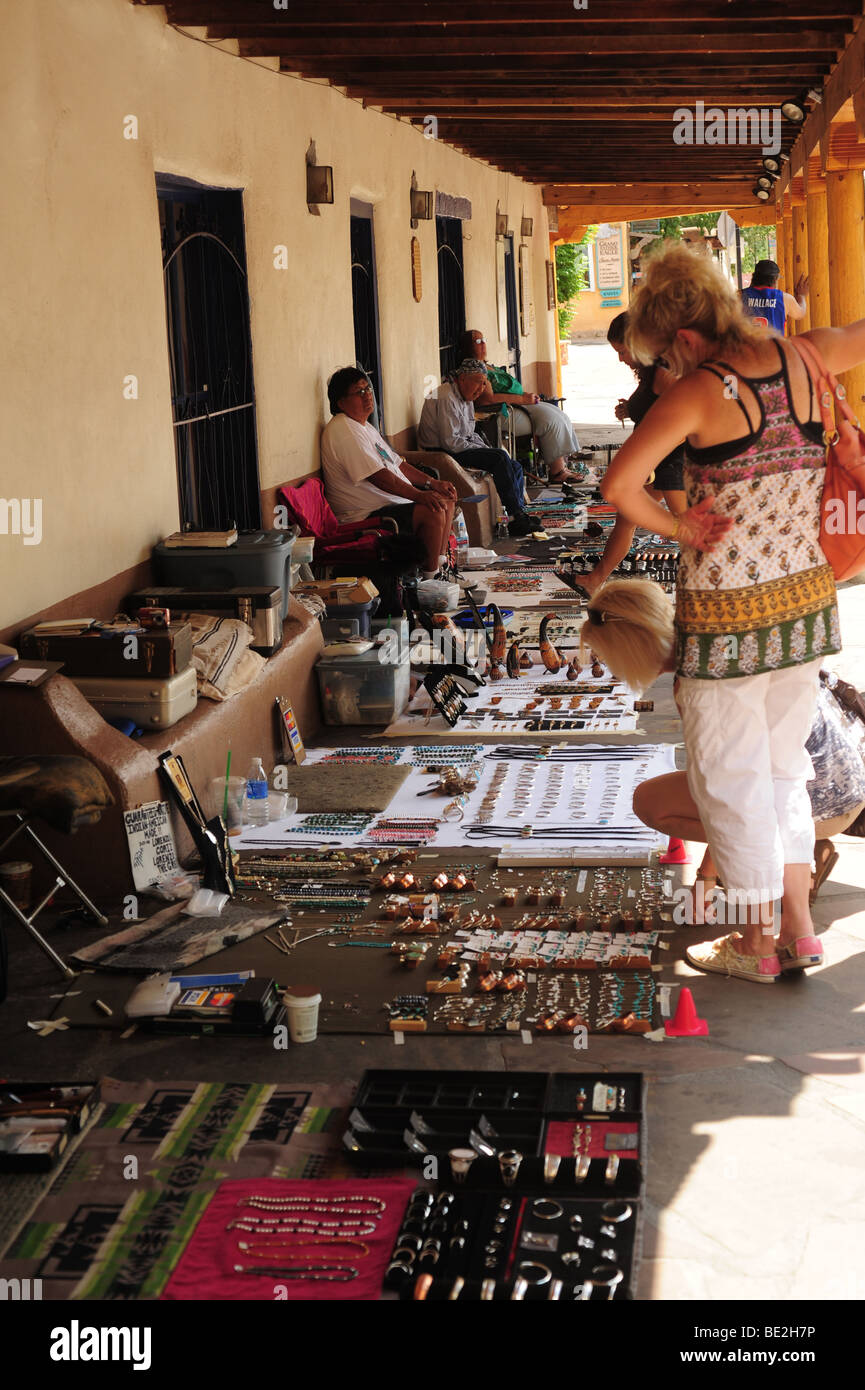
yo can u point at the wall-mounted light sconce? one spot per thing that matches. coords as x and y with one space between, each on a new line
526 226
421 202
319 181
501 222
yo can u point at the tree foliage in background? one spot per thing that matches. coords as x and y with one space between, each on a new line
755 241
672 226
571 278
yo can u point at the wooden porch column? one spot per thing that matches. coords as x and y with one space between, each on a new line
818 256
779 242
787 263
845 214
800 259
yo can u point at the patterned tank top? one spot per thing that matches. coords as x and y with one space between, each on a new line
764 597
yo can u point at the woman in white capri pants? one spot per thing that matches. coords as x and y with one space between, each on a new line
755 606
553 428
630 625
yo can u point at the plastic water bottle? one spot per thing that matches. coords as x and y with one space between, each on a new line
256 799
462 535
502 527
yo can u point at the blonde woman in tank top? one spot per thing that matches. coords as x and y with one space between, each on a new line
756 607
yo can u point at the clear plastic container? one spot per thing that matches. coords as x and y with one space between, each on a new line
364 689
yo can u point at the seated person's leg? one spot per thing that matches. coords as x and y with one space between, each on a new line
424 522
502 470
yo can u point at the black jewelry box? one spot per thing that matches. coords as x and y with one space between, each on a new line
44 1150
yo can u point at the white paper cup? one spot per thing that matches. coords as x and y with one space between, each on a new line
302 1007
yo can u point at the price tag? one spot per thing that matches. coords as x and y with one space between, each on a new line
399 1039
526 1036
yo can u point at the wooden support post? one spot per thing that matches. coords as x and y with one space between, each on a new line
819 305
800 258
845 215
779 242
786 265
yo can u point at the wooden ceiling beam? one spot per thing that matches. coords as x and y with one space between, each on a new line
337 14
744 66
696 195
760 215
491 42
642 108
844 84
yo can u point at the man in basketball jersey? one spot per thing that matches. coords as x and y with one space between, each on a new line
769 305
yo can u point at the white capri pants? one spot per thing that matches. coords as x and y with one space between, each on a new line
747 772
556 437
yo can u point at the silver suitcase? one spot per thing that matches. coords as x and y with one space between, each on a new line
152 704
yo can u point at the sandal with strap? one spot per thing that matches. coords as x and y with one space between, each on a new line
566 476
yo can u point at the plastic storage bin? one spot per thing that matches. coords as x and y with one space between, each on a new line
361 611
258 558
363 689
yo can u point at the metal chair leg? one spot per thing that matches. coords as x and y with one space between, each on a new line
101 920
27 924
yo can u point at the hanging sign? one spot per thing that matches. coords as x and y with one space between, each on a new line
608 252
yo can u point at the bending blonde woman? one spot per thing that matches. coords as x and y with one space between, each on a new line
756 608
630 626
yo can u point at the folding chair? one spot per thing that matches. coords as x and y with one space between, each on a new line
67 793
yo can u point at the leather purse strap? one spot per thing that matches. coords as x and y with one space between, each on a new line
826 385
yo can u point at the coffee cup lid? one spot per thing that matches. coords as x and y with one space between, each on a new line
301 994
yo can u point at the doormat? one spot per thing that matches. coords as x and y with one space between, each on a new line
119 1215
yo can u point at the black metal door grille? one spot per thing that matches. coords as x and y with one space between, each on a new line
452 297
210 354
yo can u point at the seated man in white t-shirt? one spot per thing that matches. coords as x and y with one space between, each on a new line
364 476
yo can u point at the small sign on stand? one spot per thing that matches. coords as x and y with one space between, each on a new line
292 743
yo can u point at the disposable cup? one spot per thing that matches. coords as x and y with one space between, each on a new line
302 1008
15 879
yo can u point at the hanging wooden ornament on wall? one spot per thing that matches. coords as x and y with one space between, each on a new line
416 278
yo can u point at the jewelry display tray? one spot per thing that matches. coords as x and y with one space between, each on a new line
37 1157
568 1243
438 1111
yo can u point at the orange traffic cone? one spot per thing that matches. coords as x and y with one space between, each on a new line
685 1023
676 853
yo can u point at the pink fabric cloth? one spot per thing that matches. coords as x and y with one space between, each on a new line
205 1270
560 1137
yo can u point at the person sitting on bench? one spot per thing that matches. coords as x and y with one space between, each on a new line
448 422
554 430
364 476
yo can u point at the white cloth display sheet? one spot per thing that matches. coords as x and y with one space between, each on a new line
603 783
